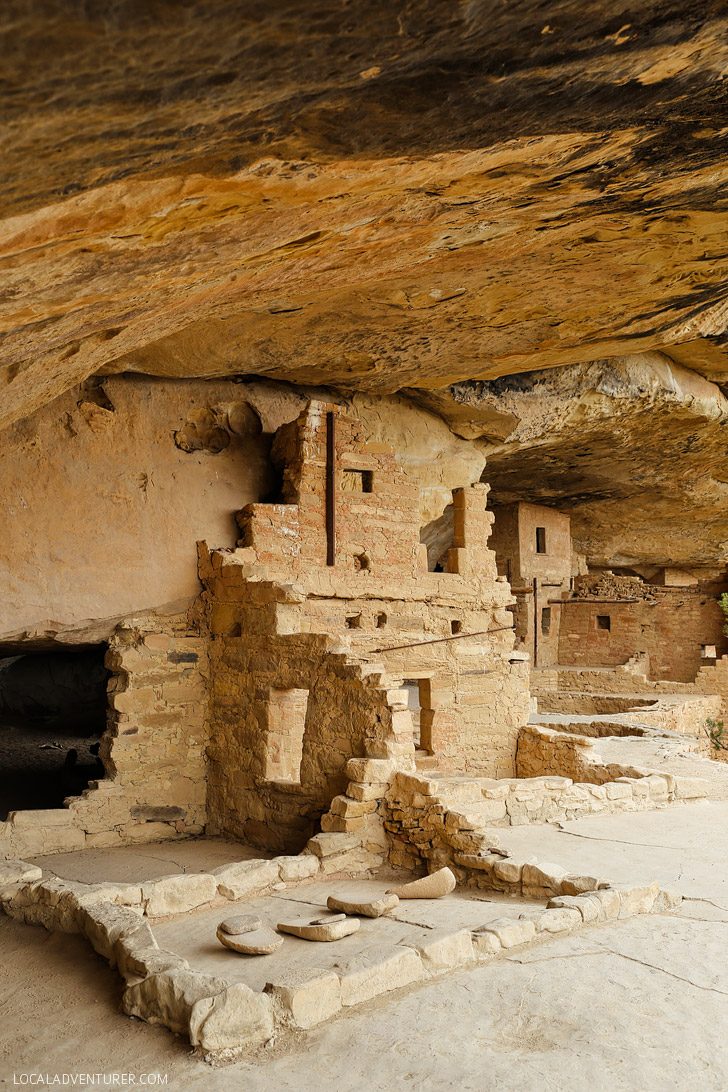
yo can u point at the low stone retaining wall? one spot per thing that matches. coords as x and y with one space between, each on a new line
682 713
223 1019
437 820
679 713
544 752
587 703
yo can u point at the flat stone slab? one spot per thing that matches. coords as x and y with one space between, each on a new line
368 908
240 923
146 861
332 930
261 941
433 886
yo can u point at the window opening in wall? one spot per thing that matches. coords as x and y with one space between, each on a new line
357 481
419 703
456 626
546 621
708 652
361 562
439 538
52 715
284 739
604 621
353 621
540 540
381 620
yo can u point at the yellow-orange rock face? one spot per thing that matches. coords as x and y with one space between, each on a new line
374 196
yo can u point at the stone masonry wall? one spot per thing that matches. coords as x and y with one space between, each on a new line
347 714
153 750
282 618
456 821
669 624
711 684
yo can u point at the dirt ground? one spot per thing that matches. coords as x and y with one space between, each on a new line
637 1006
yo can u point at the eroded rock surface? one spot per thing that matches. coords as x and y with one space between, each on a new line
374 197
624 445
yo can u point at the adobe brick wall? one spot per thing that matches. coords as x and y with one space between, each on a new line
670 627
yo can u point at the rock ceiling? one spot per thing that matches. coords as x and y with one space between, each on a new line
365 194
426 197
632 448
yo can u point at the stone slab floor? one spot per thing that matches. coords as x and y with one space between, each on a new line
193 935
639 1006
135 864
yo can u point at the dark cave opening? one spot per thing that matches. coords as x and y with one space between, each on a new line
52 716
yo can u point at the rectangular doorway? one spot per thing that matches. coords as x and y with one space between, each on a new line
419 703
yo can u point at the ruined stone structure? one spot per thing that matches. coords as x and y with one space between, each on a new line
676 629
322 613
533 549
363 447
672 624
241 716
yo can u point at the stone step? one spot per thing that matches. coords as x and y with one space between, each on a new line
425 762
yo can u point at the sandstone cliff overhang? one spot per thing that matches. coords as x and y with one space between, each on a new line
374 196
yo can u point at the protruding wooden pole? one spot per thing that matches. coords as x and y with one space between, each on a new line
535 621
330 488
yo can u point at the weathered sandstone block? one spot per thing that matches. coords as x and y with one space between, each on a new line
178 893
260 941
383 968
320 930
245 879
305 998
442 949
369 908
235 1017
510 931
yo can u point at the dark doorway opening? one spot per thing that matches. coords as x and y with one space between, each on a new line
52 716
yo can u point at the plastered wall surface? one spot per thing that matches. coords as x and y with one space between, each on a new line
106 527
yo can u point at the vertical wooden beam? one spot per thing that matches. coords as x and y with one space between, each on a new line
330 488
535 621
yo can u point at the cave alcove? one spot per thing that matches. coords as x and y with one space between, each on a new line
53 706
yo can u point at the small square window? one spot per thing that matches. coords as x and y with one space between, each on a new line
353 621
381 620
357 481
604 621
540 540
456 626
